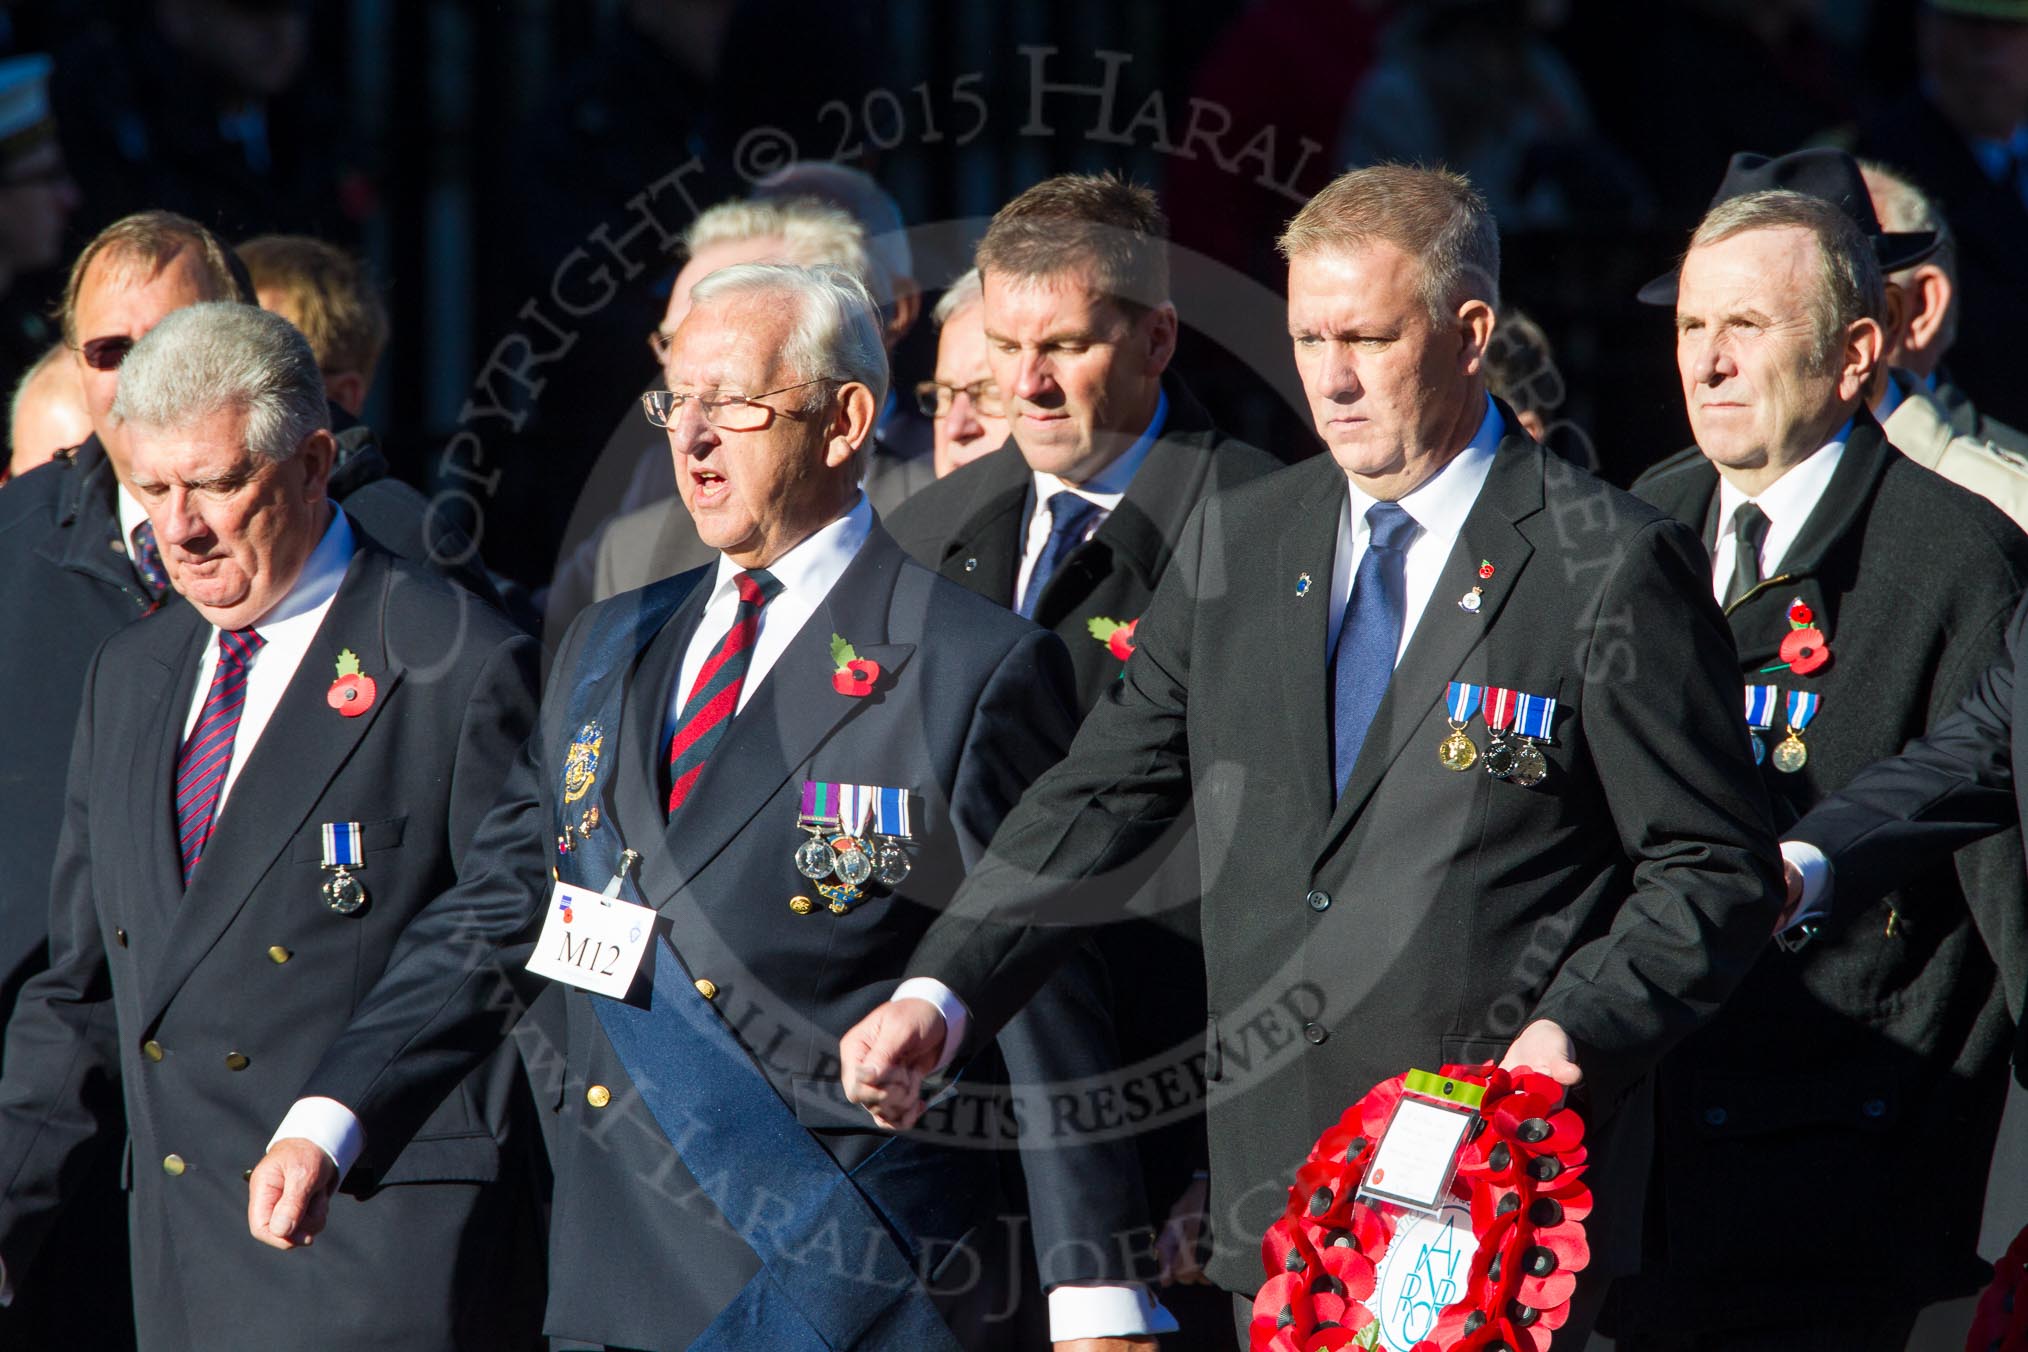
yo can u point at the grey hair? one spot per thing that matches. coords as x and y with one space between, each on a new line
1904 207
837 331
969 289
856 193
1849 286
811 232
222 355
1432 214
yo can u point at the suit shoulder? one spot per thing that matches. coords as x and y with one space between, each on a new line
949 610
1926 506
1671 471
926 518
429 601
1235 462
28 504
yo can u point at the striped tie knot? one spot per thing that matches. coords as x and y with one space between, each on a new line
757 587
238 646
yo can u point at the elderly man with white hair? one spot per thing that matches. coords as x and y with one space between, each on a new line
267 785
751 789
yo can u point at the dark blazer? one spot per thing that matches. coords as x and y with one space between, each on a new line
977 707
1873 1045
1989 221
210 1006
1425 916
970 526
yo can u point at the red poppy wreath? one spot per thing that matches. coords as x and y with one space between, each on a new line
2001 1323
1506 1284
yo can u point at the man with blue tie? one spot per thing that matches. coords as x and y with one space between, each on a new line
1390 883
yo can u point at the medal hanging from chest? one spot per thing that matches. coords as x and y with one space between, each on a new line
1760 707
1501 753
858 834
1534 719
344 851
1791 755
1457 751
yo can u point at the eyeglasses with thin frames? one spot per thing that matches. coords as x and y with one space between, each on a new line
105 354
936 399
726 412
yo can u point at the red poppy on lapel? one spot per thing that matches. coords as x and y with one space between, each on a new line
1118 637
1804 650
352 693
851 674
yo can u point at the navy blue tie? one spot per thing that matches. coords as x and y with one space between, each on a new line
1370 635
1069 517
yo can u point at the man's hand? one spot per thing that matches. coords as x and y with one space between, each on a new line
1545 1048
885 1057
1177 1244
289 1196
1792 880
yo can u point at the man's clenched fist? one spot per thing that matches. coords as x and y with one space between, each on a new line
886 1056
289 1195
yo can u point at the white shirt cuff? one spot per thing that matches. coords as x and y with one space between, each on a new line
1816 871
956 1017
1095 1310
327 1124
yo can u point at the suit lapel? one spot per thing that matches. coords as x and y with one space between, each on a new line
162 688
301 750
1447 632
1301 599
791 713
984 554
639 797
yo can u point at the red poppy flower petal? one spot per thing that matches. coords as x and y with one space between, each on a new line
1568 1243
1542 1292
1810 660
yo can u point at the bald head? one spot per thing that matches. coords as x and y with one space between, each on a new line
48 412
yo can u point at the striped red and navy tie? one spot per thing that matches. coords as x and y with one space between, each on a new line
201 765
715 696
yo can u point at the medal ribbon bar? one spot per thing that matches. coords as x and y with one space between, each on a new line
342 845
1534 715
1760 707
1802 708
1463 701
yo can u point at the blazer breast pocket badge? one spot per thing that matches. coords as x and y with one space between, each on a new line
858 837
1519 725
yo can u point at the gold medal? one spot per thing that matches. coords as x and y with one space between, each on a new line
1456 752
1790 754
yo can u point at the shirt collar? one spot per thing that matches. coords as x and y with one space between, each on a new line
318 582
1110 484
1790 499
132 513
813 566
1441 505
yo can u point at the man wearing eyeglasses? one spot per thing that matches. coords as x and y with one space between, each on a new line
701 740
967 412
1072 523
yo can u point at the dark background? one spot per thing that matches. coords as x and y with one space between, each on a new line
468 147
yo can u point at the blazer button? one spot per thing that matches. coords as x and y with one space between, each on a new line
120 937
707 988
279 955
1319 900
1714 1117
173 1165
598 1096
152 1049
236 1061
1314 1033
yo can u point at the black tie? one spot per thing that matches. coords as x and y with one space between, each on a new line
1749 533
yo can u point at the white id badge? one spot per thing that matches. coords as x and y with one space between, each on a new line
1417 1155
592 942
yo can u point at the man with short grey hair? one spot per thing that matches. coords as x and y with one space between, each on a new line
761 778
266 787
1864 595
1383 889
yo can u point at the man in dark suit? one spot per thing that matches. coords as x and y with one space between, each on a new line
1962 133
1373 903
712 725
70 576
1072 523
1865 595
244 839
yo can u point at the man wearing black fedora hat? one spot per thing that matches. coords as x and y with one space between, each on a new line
1849 1094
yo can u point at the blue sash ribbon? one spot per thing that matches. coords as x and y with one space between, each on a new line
761 1168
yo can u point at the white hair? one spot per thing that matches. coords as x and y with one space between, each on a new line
837 332
812 234
856 193
222 355
969 289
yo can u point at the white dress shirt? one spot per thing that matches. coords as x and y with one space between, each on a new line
1439 508
1103 490
1787 504
132 517
807 574
287 628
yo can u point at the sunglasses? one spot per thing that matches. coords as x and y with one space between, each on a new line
105 354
